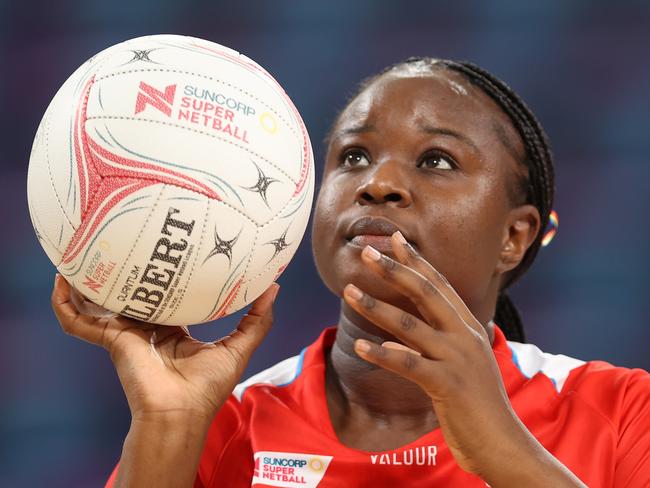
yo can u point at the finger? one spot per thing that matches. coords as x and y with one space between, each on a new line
407 364
265 301
412 331
399 347
99 330
72 321
86 306
407 255
433 305
254 326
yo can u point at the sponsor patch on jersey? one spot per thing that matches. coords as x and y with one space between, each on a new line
289 469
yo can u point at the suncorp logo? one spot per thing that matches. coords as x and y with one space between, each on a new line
299 463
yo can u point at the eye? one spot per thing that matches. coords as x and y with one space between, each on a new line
436 160
354 157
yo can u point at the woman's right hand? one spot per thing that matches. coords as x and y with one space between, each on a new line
163 370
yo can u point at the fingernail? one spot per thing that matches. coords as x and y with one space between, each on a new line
372 253
57 277
354 292
362 346
400 238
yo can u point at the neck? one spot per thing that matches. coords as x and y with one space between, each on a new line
354 383
358 388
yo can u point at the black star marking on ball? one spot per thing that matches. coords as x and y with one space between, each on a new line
262 185
280 244
222 246
141 55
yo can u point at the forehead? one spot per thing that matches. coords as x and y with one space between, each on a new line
438 97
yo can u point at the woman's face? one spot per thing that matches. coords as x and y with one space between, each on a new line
430 155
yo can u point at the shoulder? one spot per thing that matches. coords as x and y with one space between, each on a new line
530 360
616 392
292 372
592 415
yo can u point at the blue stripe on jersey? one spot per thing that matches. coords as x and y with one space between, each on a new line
298 368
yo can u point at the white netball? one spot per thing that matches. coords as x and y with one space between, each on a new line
170 180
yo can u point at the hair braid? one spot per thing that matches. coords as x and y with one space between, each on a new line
508 318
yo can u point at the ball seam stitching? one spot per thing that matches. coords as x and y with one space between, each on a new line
135 243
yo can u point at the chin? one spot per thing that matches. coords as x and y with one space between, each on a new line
358 274
341 266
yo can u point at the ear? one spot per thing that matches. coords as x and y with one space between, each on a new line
522 226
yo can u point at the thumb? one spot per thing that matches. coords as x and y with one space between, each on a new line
254 326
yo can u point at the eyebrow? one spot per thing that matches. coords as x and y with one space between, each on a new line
359 129
429 129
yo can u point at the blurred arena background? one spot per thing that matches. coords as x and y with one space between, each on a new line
582 66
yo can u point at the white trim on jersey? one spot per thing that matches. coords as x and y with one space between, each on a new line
281 374
531 360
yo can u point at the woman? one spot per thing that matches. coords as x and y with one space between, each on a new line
438 184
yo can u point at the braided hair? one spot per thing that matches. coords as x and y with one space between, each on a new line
538 187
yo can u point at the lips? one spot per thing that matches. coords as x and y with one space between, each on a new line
373 231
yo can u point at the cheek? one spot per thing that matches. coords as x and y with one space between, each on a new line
323 233
468 241
325 211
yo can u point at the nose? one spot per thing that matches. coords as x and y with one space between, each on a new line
385 184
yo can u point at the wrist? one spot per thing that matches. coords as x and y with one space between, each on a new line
173 421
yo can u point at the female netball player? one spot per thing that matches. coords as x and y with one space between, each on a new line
437 188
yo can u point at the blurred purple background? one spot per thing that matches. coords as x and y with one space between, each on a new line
582 66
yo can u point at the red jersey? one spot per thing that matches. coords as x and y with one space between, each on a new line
275 429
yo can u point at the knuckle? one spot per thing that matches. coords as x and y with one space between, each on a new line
410 361
388 264
368 302
456 382
428 288
103 341
237 354
269 317
412 253
441 278
407 322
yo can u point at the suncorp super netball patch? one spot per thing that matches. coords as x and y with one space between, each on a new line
289 469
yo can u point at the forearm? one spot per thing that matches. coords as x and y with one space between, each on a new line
161 452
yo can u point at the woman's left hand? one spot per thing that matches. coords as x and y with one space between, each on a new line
448 354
